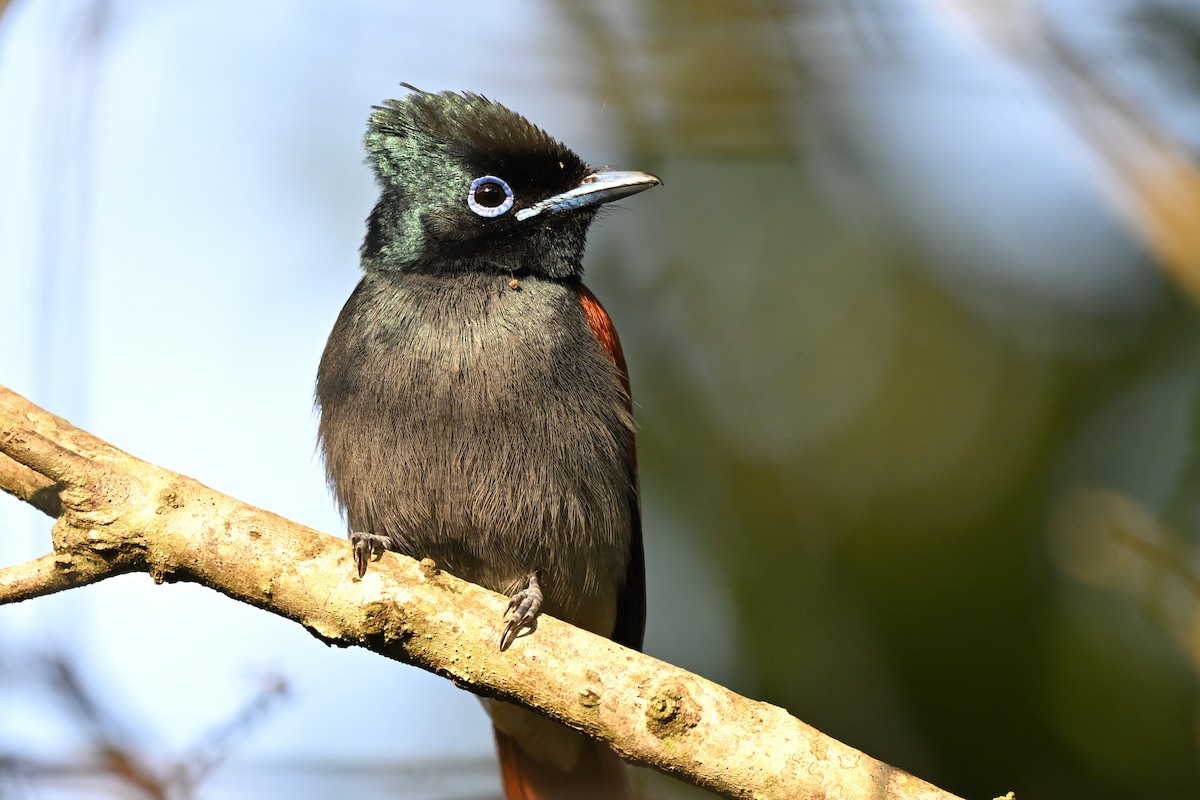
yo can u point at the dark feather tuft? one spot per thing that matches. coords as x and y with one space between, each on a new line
469 127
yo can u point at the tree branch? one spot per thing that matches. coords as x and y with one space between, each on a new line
119 514
38 577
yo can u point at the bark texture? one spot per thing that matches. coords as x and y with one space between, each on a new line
117 514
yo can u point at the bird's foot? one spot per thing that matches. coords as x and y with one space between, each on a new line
522 611
368 547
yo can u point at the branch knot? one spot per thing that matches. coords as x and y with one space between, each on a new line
672 711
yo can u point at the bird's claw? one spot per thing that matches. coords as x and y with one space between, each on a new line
522 611
368 547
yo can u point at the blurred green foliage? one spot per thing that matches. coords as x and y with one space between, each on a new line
902 479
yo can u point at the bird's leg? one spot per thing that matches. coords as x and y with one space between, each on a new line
522 611
368 547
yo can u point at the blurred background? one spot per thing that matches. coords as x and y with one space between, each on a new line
913 334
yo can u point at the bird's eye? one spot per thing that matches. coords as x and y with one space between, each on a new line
489 196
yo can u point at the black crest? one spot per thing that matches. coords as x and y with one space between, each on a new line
428 147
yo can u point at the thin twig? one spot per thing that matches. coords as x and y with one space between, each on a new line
42 576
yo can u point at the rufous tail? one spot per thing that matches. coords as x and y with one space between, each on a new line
597 774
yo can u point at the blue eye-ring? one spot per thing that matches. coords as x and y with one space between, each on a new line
489 196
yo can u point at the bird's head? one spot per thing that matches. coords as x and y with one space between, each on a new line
467 184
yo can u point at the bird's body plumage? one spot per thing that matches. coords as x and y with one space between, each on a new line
475 405
511 384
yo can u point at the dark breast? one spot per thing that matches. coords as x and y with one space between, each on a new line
484 427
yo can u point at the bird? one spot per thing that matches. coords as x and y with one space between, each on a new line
474 400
